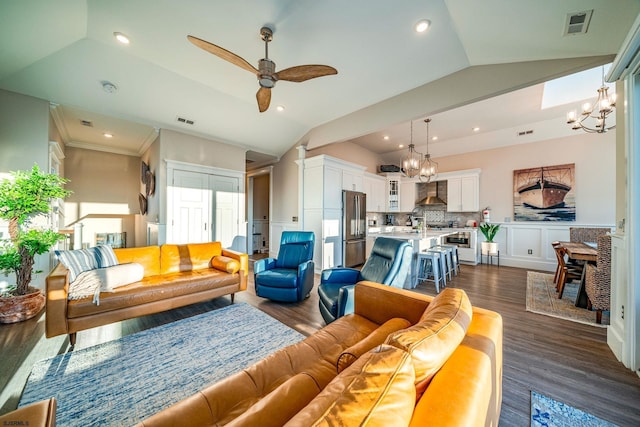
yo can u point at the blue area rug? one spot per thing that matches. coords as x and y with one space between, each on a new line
546 412
122 382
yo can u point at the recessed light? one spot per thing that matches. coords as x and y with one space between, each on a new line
108 135
121 38
476 129
435 138
422 26
280 108
386 137
401 146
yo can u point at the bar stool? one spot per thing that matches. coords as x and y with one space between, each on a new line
447 253
430 264
455 259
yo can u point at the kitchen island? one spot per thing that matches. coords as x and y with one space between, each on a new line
420 240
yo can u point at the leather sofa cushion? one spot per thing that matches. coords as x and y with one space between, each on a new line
377 390
224 263
148 256
281 404
192 256
372 340
434 338
153 288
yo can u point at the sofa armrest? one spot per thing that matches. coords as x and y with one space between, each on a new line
57 293
340 275
380 303
263 265
470 380
39 414
239 256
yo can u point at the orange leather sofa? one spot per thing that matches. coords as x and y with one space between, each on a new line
174 276
401 359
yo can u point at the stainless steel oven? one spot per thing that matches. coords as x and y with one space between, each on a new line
462 239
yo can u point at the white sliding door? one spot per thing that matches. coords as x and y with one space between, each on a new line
225 204
190 199
204 204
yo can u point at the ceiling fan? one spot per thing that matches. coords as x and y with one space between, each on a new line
266 71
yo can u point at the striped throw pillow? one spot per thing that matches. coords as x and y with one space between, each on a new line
104 256
77 261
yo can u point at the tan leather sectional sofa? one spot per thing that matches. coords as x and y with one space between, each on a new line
174 276
402 359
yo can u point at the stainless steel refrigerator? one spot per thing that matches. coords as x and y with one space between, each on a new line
354 239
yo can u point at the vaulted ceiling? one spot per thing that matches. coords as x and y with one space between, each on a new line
64 51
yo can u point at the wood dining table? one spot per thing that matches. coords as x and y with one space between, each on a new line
582 252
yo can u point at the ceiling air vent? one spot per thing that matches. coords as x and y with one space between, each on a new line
87 123
525 132
185 121
577 23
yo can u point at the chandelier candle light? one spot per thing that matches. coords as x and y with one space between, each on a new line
600 110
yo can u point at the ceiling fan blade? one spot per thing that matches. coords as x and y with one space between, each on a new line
264 98
223 53
301 73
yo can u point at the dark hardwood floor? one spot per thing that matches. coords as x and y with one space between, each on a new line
567 361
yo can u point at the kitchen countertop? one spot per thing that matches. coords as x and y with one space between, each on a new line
405 232
413 235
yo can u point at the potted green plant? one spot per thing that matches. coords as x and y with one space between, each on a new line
489 231
24 197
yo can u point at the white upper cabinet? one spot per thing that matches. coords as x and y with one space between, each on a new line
463 193
374 188
352 180
407 196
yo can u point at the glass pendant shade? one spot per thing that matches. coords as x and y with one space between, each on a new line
412 162
429 169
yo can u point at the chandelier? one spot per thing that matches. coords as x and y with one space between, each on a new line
600 110
412 162
429 169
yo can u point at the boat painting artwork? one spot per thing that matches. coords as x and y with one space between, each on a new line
545 193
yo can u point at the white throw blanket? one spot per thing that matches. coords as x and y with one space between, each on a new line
92 282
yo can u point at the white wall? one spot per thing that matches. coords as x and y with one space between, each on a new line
24 132
595 163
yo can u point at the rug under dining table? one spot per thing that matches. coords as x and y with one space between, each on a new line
122 382
542 299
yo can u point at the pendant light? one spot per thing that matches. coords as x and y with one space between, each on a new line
412 162
429 169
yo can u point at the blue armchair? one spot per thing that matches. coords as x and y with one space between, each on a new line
289 278
389 263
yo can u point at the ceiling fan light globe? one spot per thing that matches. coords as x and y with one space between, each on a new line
266 81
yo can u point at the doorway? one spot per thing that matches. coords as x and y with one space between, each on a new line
259 190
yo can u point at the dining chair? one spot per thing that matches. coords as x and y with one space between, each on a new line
597 280
565 274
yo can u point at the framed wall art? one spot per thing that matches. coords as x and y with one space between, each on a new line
545 193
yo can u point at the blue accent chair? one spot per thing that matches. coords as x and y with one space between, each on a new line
288 278
389 263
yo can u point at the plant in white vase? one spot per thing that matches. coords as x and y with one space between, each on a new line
489 231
